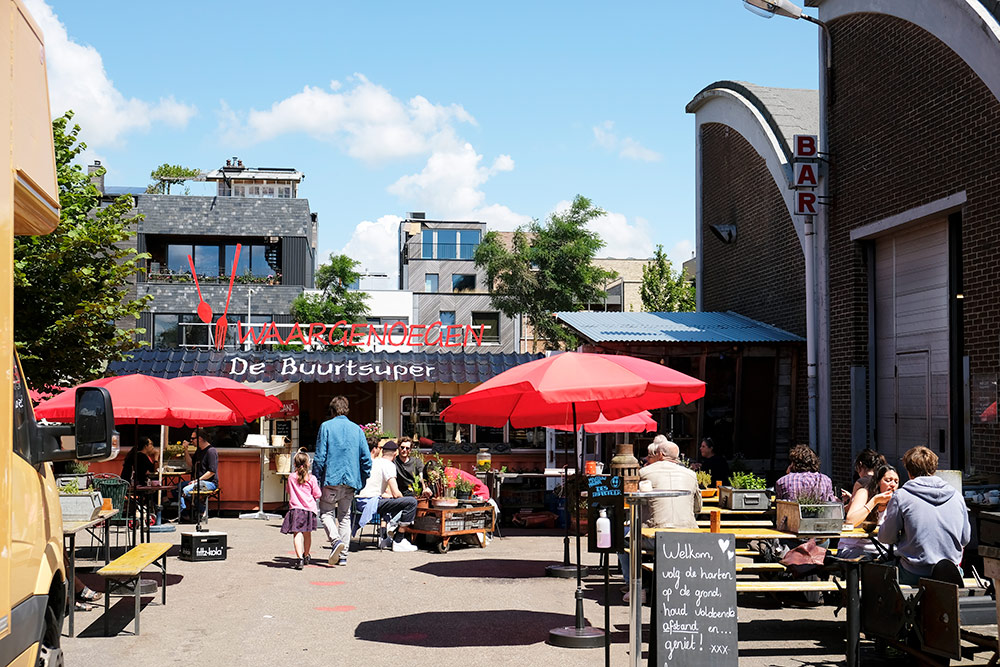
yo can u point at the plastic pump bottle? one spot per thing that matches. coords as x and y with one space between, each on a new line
603 530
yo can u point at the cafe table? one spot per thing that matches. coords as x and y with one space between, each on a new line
70 530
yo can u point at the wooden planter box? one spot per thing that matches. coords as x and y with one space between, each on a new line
743 499
811 519
709 493
80 506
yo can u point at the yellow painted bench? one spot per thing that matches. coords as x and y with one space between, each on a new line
127 570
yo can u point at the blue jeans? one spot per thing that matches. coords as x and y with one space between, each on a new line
184 490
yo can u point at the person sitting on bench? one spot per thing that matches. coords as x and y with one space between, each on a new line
926 519
382 485
138 464
803 476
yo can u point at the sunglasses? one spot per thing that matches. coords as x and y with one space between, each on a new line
405 448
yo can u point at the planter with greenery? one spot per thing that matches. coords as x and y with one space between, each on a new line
811 514
746 491
463 488
79 504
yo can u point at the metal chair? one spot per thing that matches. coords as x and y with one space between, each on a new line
117 489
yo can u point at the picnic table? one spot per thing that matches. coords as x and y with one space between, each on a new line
70 530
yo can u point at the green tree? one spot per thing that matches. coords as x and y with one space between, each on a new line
548 268
663 289
71 286
169 174
336 302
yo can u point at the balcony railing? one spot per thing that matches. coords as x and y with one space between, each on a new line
245 279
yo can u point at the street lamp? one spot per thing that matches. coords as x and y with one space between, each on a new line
768 9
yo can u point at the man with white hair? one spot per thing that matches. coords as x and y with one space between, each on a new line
667 474
656 449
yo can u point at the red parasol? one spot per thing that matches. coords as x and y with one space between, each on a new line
248 403
547 391
142 399
640 422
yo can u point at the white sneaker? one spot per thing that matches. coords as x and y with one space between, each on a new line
338 549
403 545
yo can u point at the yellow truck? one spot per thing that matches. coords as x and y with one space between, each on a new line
33 586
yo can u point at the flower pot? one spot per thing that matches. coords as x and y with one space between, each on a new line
809 519
743 499
463 495
709 493
423 503
80 506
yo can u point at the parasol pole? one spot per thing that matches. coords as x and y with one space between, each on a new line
161 527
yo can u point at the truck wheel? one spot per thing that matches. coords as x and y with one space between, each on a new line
50 654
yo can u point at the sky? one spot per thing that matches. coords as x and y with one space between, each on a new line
465 111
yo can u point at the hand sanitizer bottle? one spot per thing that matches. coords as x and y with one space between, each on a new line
603 530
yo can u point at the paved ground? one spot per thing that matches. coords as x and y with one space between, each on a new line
490 606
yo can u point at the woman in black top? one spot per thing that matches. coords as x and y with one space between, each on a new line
713 463
139 465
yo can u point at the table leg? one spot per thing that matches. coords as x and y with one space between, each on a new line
853 616
107 541
164 569
635 586
138 600
72 580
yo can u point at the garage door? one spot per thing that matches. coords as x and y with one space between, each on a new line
911 327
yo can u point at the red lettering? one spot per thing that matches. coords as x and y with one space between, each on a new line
334 329
805 203
241 337
312 327
271 332
373 333
392 328
436 327
296 333
357 330
416 330
805 145
472 330
453 330
805 175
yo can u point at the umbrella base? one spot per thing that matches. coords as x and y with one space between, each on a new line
260 515
561 571
570 636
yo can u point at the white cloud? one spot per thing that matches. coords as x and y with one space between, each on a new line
78 81
681 252
365 120
604 135
375 245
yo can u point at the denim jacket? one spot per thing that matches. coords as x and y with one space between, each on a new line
342 457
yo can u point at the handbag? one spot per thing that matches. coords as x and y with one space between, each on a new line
804 559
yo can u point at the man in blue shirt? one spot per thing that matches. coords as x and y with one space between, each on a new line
341 465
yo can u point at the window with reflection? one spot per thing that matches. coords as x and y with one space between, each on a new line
446 317
430 282
420 418
533 438
427 244
165 331
463 282
206 260
177 258
447 244
468 242
491 326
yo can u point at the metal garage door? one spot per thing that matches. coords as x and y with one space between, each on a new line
911 326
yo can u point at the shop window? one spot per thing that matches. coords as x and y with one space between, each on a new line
420 418
491 326
463 282
533 438
430 282
489 434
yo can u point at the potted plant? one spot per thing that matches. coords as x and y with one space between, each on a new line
705 482
463 488
79 504
76 471
417 487
810 514
746 491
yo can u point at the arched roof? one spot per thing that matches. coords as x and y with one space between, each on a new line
970 28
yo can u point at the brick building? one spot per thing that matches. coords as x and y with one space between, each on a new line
905 252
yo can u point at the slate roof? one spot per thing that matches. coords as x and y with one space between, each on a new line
319 366
237 216
788 111
726 327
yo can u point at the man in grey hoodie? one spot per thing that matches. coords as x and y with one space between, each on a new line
926 519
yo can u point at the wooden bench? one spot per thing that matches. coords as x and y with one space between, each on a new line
736 523
127 569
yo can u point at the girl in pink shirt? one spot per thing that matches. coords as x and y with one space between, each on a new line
303 490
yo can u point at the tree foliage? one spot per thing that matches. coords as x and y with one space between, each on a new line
336 302
71 286
549 268
169 174
663 289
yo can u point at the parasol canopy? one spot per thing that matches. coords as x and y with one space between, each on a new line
143 399
640 422
573 388
248 403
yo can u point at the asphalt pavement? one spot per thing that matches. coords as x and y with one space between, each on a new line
491 606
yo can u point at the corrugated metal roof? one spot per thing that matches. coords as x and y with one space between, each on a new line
276 366
675 328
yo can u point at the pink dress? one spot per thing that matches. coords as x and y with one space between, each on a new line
302 506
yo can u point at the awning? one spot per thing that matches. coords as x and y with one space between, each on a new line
280 367
270 388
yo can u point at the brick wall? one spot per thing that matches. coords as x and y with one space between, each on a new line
762 274
910 124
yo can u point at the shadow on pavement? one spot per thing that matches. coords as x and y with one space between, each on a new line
120 616
486 568
454 629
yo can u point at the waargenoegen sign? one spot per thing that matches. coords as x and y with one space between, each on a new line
344 334
321 365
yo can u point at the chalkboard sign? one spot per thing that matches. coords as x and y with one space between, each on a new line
606 492
283 427
694 613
